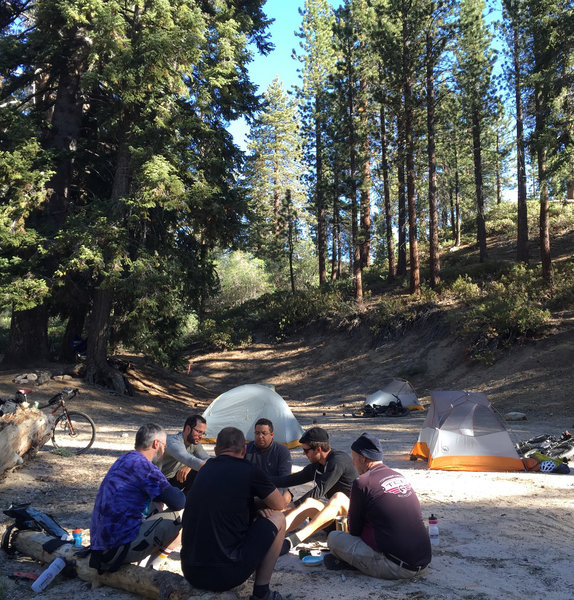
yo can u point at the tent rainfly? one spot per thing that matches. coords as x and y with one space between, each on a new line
462 432
242 406
393 390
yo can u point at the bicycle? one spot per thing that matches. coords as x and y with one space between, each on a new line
73 430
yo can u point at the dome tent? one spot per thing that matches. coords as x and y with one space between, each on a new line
242 406
462 432
395 389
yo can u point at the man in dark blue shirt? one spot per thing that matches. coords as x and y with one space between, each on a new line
272 458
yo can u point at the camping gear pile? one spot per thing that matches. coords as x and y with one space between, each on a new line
396 399
547 453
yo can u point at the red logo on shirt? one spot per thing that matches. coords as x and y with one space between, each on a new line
396 485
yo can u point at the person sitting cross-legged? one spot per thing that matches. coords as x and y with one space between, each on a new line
387 537
333 472
273 458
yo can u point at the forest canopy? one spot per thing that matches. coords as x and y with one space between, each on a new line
126 208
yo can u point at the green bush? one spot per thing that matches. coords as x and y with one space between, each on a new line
501 311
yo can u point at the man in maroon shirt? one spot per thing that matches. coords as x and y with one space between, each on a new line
387 537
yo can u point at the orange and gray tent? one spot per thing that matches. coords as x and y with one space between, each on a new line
395 389
242 406
462 432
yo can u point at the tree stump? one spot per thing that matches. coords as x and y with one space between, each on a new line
22 434
157 585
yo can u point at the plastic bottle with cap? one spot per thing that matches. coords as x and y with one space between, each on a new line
77 533
433 530
46 577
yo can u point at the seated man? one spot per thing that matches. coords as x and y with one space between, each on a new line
221 545
272 458
332 472
387 537
119 533
184 454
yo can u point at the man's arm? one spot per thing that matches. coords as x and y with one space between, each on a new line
175 447
305 475
324 482
355 518
174 498
275 500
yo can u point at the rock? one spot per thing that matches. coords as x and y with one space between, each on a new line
515 416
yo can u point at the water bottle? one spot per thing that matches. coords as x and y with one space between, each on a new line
46 577
77 533
433 530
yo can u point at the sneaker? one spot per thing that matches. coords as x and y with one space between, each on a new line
333 563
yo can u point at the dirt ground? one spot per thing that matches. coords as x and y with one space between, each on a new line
502 535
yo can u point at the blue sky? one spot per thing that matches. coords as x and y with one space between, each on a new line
279 63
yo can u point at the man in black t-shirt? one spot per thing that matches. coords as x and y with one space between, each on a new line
387 537
332 472
221 545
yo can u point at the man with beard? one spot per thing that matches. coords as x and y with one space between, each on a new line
119 531
184 454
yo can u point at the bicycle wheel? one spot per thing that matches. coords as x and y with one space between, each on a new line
74 432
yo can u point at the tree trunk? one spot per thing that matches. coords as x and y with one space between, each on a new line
402 209
479 191
392 269
434 255
410 166
98 371
522 253
74 329
28 338
148 583
320 199
544 230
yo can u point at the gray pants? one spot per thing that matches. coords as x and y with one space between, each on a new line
354 551
155 533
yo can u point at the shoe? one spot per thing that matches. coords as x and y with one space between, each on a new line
333 563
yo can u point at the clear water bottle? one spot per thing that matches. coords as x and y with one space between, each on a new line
433 530
46 577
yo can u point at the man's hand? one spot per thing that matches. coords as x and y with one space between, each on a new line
266 512
182 474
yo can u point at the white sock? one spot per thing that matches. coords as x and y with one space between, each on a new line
158 559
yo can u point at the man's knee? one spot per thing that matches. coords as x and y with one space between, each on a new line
278 519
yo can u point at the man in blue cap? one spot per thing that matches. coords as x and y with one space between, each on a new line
387 537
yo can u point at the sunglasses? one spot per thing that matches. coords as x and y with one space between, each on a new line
306 450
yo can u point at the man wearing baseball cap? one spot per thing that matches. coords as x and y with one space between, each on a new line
332 472
387 537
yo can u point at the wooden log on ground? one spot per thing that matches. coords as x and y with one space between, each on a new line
22 434
157 585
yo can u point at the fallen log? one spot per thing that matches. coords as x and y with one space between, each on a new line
22 433
157 585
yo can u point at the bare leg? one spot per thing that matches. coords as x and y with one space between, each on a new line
338 505
265 569
308 510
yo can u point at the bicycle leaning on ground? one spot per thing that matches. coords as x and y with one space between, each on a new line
73 431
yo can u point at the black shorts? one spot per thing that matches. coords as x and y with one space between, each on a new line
260 536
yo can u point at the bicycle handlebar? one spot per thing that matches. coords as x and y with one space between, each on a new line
66 393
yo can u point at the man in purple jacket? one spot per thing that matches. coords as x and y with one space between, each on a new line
387 537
